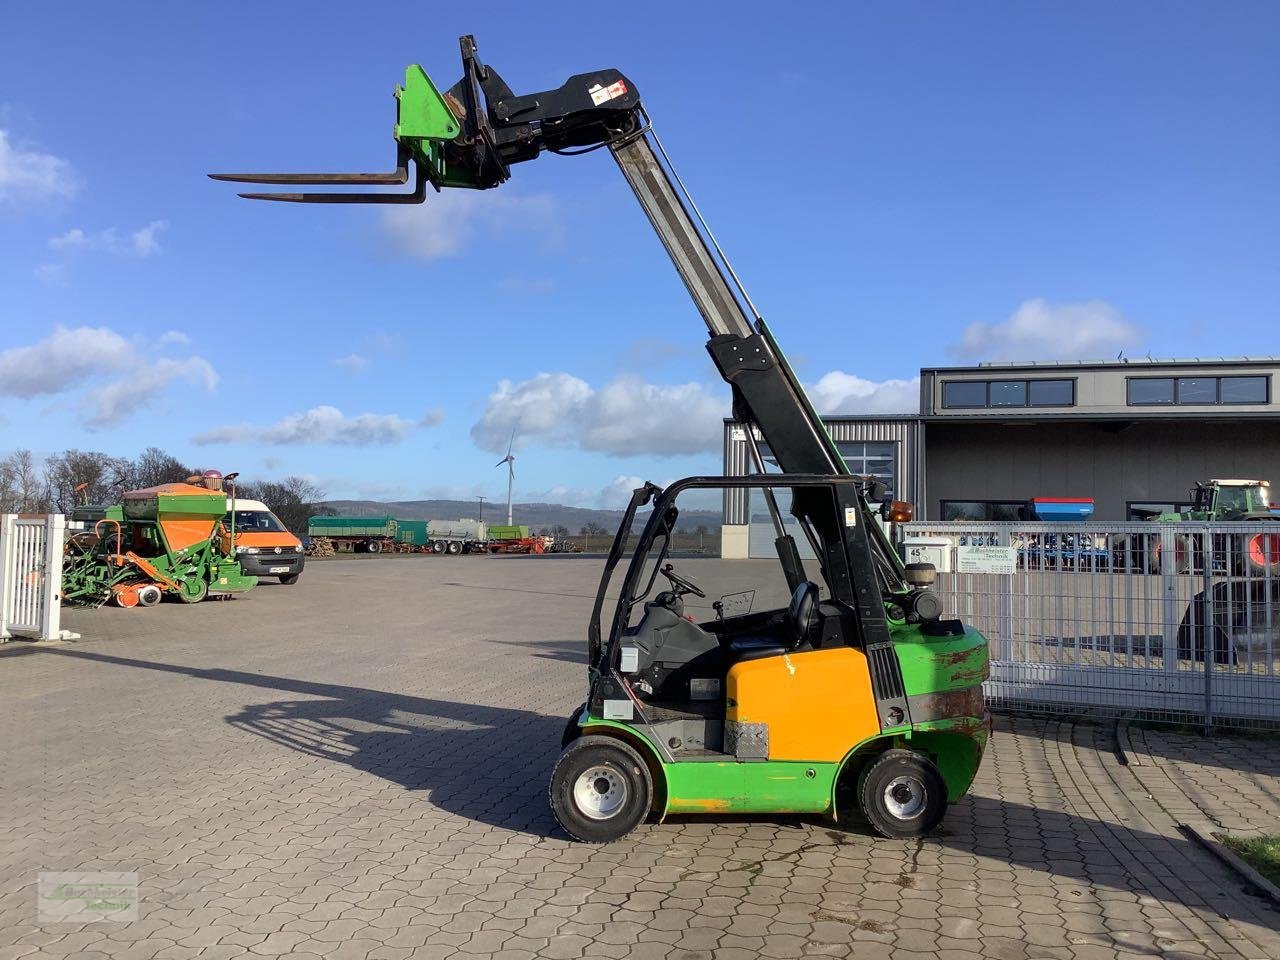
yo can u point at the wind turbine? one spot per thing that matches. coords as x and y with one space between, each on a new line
510 461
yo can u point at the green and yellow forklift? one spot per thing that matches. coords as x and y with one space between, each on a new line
850 689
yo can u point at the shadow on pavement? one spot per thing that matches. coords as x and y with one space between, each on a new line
490 764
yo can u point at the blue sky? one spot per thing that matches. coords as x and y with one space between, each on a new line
899 185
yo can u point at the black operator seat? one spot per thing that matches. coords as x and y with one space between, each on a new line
801 615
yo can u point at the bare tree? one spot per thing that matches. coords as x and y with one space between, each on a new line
295 500
75 477
21 488
154 467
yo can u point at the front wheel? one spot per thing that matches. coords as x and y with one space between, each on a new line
290 578
193 590
902 795
600 789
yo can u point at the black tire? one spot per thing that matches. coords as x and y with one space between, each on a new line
605 773
454 547
373 546
289 579
902 794
437 546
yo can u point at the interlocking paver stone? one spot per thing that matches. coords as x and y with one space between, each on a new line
355 767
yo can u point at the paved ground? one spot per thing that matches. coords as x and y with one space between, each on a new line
355 766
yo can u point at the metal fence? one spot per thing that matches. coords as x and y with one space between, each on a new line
31 577
1167 622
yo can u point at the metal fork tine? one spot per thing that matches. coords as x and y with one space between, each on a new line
418 195
397 176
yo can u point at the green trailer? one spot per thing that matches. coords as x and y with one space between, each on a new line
355 534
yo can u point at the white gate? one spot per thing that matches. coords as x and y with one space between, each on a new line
31 577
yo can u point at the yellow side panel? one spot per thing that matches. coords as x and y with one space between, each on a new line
817 704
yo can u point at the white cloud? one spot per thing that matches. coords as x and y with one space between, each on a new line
73 358
139 243
352 363
173 338
29 175
444 225
838 392
50 272
62 360
114 402
617 493
1039 330
322 424
432 418
625 417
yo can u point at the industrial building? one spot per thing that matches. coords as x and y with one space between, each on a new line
1133 435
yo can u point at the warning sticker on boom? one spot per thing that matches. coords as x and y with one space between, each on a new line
601 94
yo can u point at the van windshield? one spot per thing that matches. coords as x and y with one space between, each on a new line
256 520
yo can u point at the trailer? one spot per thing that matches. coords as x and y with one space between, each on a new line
355 534
450 537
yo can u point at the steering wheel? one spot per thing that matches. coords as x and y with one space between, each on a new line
682 586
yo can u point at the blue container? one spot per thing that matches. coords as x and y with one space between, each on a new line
1062 508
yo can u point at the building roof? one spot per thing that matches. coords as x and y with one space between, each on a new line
1118 363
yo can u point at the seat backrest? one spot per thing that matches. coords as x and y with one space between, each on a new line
802 612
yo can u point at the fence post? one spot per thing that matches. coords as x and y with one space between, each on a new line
1210 638
55 531
6 573
1004 618
1169 597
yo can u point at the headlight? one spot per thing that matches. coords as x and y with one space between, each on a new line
247 550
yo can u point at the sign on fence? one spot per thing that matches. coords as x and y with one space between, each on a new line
986 559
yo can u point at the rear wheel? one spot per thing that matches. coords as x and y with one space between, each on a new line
902 794
149 595
600 789
455 547
373 546
437 546
1262 553
193 590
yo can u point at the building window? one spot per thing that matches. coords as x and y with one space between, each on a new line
1008 393
1053 393
865 458
982 510
1197 391
870 458
958 394
971 394
1244 390
1150 391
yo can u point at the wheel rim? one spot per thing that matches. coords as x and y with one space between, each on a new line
904 797
600 792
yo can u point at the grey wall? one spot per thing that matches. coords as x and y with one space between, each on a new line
1111 462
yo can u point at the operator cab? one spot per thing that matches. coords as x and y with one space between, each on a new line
693 609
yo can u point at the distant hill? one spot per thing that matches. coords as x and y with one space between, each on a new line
534 515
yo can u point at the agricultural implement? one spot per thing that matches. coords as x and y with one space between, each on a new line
164 540
854 693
